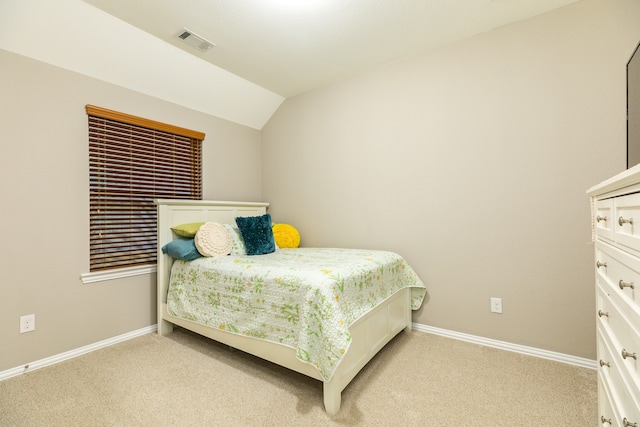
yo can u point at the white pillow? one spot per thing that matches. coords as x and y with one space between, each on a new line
212 239
237 244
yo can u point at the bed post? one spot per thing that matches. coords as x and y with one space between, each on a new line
163 267
408 310
332 396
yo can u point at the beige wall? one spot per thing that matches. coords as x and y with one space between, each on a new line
472 161
44 193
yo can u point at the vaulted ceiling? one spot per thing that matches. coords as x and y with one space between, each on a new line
293 46
265 50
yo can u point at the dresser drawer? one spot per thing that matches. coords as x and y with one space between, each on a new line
618 341
607 415
622 397
604 307
625 346
626 221
621 271
603 218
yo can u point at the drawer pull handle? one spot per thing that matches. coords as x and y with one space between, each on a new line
603 313
626 285
603 363
601 218
605 420
601 264
627 423
626 354
623 221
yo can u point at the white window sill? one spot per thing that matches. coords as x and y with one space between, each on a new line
101 276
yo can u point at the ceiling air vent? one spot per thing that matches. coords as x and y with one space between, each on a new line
192 39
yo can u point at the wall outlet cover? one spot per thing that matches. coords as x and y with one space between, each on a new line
27 323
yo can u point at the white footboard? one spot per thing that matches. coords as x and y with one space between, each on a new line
368 336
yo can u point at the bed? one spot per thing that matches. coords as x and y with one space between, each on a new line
322 331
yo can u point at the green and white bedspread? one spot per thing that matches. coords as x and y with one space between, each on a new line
304 298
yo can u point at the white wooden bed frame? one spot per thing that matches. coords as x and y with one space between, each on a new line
369 334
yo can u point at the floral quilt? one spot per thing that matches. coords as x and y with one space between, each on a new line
304 298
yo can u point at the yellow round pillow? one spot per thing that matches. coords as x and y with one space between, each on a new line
286 236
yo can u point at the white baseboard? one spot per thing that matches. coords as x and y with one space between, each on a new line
502 345
74 353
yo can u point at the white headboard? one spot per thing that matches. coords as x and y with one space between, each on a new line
175 212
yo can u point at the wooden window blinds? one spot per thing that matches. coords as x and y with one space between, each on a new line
133 161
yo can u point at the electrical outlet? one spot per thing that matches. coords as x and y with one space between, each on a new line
27 323
496 305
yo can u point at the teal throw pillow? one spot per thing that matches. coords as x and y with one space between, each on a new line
257 234
184 249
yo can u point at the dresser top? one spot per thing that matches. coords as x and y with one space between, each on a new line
624 179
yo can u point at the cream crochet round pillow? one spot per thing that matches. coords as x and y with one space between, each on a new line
212 239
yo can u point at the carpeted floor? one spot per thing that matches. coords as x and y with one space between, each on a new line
419 379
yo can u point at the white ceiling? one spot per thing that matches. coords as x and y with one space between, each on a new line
292 46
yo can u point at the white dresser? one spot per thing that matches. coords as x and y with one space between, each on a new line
616 220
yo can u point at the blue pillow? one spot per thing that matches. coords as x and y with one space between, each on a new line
184 249
257 234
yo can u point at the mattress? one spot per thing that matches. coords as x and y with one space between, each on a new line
304 298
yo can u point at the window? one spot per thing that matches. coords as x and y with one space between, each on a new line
133 161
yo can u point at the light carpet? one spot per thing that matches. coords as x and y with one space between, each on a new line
184 379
